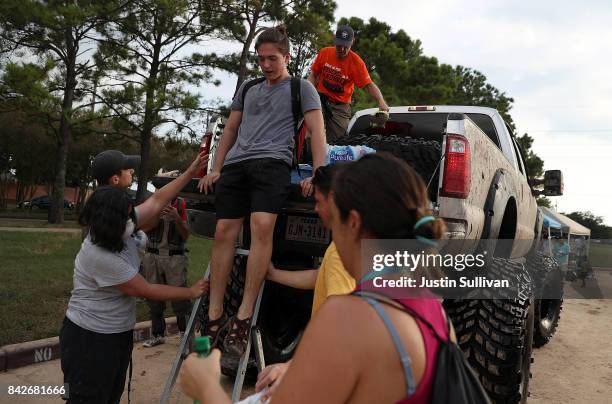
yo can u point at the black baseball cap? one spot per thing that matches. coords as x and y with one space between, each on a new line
110 162
344 36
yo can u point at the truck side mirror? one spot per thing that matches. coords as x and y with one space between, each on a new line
553 183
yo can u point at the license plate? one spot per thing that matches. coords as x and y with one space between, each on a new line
309 229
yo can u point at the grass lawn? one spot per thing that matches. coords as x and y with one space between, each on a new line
36 271
600 255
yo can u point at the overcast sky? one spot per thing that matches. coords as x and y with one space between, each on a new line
553 57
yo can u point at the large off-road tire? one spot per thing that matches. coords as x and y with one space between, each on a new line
549 296
496 336
423 155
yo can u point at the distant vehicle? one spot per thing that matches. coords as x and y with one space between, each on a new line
43 202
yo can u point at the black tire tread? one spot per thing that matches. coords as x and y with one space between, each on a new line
421 154
547 274
492 334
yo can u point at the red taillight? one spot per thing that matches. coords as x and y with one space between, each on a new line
205 147
457 172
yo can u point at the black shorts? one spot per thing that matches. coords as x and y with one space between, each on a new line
95 365
257 185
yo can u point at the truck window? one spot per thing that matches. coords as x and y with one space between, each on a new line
519 157
427 125
485 123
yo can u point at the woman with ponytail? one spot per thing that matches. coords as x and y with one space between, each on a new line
356 349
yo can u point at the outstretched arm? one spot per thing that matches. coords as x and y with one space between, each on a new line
314 122
300 279
148 212
375 93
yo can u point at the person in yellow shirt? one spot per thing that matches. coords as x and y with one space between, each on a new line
331 278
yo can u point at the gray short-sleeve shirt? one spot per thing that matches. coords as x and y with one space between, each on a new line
266 129
96 304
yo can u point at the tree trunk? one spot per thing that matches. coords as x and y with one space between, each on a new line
244 56
148 124
56 210
4 183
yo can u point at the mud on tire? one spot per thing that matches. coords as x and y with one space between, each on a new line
496 336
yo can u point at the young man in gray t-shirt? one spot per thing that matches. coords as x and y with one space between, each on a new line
252 174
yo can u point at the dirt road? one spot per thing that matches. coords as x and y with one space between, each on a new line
575 367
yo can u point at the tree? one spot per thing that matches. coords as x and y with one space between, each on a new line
473 89
408 77
309 30
307 22
398 66
24 146
50 35
146 64
591 221
533 164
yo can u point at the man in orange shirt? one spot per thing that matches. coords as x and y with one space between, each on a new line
335 73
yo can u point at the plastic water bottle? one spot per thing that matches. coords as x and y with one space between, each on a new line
201 346
337 154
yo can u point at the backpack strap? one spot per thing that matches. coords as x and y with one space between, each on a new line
296 109
384 299
404 357
250 84
296 102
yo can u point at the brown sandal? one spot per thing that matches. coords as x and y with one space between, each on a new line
221 323
238 336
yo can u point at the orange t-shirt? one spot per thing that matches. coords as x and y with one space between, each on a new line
338 77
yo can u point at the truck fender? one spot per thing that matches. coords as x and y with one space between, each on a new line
537 231
495 204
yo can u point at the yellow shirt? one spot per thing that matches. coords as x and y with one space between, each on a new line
332 278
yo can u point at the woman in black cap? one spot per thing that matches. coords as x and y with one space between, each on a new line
96 335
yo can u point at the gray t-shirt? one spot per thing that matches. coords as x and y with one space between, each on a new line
266 129
96 305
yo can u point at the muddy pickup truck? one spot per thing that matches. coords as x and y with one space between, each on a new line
477 183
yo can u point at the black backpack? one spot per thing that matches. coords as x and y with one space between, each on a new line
299 130
455 381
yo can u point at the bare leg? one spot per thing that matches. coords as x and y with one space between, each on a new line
222 261
262 230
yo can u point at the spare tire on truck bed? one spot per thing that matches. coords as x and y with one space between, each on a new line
421 154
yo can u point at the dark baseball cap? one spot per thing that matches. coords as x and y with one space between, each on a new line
344 36
110 162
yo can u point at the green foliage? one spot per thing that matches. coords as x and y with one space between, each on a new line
544 201
309 29
533 163
473 89
145 69
307 21
598 229
46 83
406 76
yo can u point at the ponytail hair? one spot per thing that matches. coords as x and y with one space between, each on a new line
389 196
